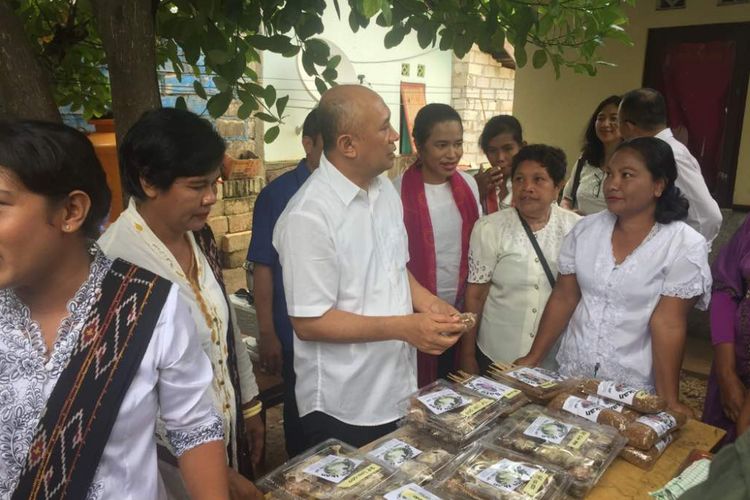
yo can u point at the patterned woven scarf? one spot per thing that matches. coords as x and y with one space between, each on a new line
83 407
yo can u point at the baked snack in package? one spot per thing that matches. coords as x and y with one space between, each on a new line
581 448
416 453
647 430
400 487
331 469
483 471
631 397
646 459
590 410
509 397
451 412
538 384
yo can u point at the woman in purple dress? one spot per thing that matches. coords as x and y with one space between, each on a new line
730 334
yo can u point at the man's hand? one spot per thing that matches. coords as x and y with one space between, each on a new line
242 489
269 349
440 306
256 431
432 333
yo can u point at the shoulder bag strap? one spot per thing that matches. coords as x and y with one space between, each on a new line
537 249
576 182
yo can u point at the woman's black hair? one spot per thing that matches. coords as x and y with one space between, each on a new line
428 117
592 151
165 144
51 160
659 159
500 124
551 158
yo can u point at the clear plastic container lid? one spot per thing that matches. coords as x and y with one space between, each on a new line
400 487
451 412
483 471
539 384
331 469
508 396
416 453
584 449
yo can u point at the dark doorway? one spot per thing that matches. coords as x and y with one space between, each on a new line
703 73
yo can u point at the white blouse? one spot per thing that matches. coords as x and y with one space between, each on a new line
130 238
501 254
173 380
590 198
446 227
608 335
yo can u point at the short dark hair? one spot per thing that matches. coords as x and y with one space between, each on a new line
593 149
311 125
645 108
551 158
659 159
52 159
429 116
334 115
165 144
500 124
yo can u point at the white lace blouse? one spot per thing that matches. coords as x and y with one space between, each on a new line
608 335
174 379
501 254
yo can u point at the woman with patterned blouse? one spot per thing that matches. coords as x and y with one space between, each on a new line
91 349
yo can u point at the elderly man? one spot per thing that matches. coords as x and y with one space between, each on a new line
643 113
343 251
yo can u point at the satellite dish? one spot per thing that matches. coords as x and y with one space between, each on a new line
345 69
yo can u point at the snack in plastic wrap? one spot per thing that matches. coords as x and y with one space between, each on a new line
648 429
620 408
646 459
641 401
583 449
485 472
539 384
402 488
330 470
413 451
452 412
589 410
469 319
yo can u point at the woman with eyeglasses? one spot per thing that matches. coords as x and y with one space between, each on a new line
583 191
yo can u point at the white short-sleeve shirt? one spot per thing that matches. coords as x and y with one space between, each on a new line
345 248
608 335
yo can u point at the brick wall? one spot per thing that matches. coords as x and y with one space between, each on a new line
482 88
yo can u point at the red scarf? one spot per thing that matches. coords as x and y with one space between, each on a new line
422 259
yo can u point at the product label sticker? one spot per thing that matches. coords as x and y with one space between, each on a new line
410 491
535 377
617 392
582 407
662 445
578 439
359 476
443 400
607 403
333 468
395 452
507 475
548 429
491 389
475 408
661 423
535 484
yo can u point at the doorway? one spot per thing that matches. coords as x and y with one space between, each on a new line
702 71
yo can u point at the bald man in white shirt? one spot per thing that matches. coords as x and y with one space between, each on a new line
343 250
643 113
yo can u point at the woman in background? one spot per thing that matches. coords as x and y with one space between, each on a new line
501 140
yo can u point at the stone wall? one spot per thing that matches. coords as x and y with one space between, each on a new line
482 88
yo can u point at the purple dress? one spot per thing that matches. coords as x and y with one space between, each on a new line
730 320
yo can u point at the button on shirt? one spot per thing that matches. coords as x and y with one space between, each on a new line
268 208
345 248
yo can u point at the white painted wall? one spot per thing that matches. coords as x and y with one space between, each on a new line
369 57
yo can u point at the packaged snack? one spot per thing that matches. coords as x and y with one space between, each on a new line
511 397
486 472
641 401
452 412
469 319
400 487
330 470
646 459
648 429
582 449
538 384
414 452
620 408
589 410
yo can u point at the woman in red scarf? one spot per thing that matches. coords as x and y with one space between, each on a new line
441 204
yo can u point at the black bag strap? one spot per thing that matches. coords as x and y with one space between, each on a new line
576 182
537 249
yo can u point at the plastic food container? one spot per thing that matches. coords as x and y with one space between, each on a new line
451 412
538 384
486 472
330 470
508 396
400 487
581 448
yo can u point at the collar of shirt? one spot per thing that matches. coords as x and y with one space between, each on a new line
665 134
346 190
